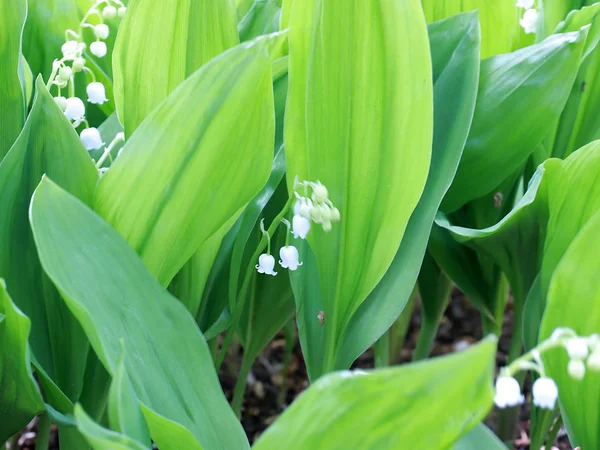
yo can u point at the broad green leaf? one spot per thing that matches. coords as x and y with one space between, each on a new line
160 44
574 302
455 59
170 435
20 399
359 119
555 11
578 124
167 359
520 97
101 438
195 161
479 438
48 144
499 21
427 405
262 18
12 72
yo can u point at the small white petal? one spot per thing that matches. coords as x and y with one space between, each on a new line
508 392
109 12
265 265
545 393
593 361
98 49
75 109
69 48
300 226
96 93
102 31
529 21
122 10
90 137
576 369
61 102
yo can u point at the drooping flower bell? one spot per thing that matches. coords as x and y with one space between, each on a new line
529 21
122 10
577 348
69 48
266 264
545 393
576 369
289 257
300 226
91 139
109 12
61 102
98 49
96 93
101 31
75 109
508 392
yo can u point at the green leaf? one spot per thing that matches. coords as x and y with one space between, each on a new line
166 192
554 12
521 95
12 72
160 44
168 360
455 59
432 405
48 144
101 438
359 119
262 18
499 21
574 302
20 399
479 438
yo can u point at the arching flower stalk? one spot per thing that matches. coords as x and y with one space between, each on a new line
65 69
545 392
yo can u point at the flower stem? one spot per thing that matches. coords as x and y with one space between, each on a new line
120 137
42 441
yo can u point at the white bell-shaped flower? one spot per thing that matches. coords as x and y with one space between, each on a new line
289 257
96 93
320 193
90 137
529 21
98 49
300 226
577 348
102 31
121 11
75 109
508 392
61 102
576 369
69 48
525 4
545 393
266 264
109 12
593 361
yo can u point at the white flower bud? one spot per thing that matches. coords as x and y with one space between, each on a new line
593 361
98 49
335 215
102 31
69 48
65 73
96 93
300 226
109 12
122 10
315 214
265 265
576 369
75 109
577 348
508 392
327 226
289 257
529 21
545 393
61 102
320 193
525 4
91 140
78 64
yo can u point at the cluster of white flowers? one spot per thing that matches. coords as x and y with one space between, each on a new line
530 17
73 62
544 390
318 209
